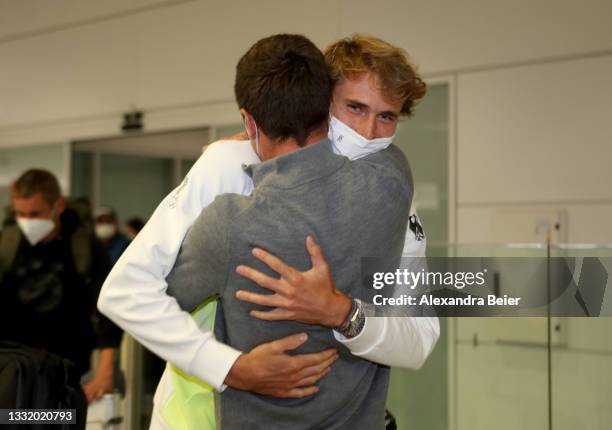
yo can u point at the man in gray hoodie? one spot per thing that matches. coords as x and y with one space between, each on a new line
352 209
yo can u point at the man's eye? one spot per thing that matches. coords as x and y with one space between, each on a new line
388 118
354 108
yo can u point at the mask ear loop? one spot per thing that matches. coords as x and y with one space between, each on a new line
256 135
331 132
257 140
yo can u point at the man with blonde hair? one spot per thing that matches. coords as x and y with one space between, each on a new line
374 85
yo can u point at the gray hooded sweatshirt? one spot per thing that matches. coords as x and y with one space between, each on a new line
353 209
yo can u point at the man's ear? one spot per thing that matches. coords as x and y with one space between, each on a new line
249 123
60 206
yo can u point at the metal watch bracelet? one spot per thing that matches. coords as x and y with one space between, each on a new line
354 322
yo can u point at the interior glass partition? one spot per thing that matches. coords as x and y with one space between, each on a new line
418 399
497 365
549 372
581 365
132 174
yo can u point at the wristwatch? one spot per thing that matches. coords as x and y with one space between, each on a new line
354 322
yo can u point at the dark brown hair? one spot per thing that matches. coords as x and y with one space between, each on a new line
284 82
37 181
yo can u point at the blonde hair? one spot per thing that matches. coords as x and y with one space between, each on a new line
358 54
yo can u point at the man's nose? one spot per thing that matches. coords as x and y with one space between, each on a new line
368 128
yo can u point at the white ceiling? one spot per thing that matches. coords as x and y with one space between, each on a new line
22 18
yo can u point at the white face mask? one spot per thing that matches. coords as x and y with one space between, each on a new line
35 229
105 231
347 142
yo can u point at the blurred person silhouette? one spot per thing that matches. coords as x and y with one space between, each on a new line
132 227
107 231
51 270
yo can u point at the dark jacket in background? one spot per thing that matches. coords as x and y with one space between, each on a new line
45 303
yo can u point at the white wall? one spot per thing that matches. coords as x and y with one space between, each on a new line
540 135
176 62
72 68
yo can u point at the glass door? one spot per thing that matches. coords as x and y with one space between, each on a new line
418 399
132 174
581 366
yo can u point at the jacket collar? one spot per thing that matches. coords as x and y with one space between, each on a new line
296 168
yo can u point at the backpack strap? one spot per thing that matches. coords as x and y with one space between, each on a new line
10 238
80 246
81 250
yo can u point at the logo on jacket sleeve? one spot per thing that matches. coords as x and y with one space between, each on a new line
416 227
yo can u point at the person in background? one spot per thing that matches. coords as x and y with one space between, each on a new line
107 231
132 227
51 270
